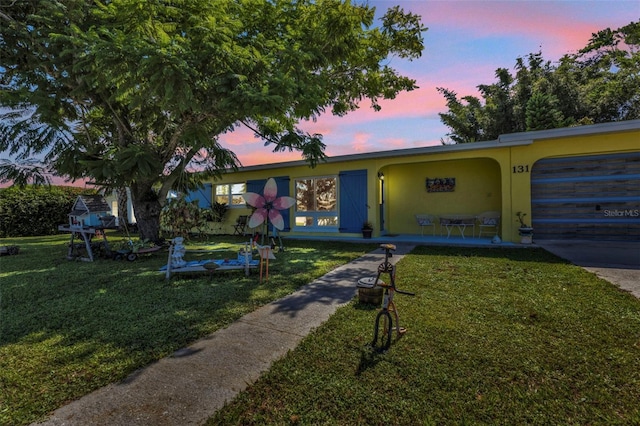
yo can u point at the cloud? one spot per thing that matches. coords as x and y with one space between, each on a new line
465 44
360 142
558 27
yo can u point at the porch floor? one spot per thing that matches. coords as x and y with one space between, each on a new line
428 240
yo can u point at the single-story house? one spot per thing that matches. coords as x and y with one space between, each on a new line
569 183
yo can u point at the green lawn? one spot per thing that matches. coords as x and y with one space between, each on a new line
69 327
495 337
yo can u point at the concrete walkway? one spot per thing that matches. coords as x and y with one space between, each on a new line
615 261
191 385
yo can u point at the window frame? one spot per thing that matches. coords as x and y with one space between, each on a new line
230 194
317 214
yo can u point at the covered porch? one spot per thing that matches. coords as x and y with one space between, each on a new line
455 195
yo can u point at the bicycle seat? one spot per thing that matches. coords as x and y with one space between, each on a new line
388 246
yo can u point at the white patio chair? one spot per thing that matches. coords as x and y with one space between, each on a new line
488 223
426 220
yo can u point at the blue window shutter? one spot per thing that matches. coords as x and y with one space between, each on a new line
353 200
257 186
202 195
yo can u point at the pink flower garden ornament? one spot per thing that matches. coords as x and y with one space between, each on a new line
268 206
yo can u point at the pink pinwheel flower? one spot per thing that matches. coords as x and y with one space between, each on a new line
268 206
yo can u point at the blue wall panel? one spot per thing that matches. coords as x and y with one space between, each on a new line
353 200
202 195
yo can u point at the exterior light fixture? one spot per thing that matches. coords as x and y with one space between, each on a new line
380 175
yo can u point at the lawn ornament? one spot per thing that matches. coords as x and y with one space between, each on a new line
89 217
178 252
9 250
176 263
132 250
266 254
91 211
268 206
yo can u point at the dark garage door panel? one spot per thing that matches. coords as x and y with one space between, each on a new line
590 197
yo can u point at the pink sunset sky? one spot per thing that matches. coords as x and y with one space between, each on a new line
466 41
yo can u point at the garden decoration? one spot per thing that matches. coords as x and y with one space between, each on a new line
176 255
384 320
131 250
367 229
266 254
9 250
89 217
176 263
268 206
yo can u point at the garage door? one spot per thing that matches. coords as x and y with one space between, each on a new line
587 198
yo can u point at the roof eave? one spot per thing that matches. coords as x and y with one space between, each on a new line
510 139
589 129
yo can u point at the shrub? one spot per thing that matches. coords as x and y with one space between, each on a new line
36 210
180 217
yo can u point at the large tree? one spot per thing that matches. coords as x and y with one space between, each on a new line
600 83
137 92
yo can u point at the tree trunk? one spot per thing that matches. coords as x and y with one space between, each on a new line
146 207
123 208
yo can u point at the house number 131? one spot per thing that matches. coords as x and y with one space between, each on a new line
521 169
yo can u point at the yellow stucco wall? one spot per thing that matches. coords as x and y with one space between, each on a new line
489 176
302 171
477 189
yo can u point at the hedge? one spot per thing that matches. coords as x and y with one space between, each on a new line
36 210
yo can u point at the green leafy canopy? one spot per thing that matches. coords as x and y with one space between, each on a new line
137 92
600 83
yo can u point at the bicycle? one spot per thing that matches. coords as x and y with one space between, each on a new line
384 321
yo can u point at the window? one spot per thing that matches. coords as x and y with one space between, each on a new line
231 194
317 203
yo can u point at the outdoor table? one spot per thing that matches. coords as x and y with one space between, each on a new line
461 222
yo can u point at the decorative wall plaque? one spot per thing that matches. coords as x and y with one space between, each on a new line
441 184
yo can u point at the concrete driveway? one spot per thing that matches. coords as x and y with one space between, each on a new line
615 261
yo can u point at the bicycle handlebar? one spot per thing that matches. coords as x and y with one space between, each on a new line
395 289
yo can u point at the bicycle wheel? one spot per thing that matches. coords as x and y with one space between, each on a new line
382 332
